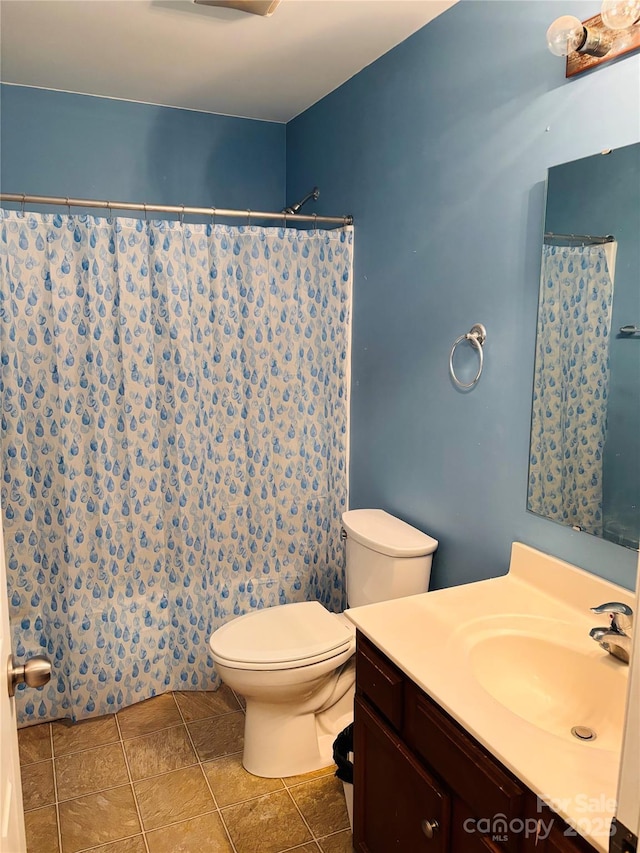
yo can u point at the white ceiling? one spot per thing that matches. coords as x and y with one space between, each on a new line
175 53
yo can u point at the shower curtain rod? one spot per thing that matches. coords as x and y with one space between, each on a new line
178 209
583 238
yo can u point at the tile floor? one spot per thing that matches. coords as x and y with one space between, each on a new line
165 776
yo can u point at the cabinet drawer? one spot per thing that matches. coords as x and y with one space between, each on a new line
398 806
480 781
380 681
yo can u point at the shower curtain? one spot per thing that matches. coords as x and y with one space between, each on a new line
571 380
174 442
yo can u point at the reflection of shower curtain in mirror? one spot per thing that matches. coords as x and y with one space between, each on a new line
569 419
571 384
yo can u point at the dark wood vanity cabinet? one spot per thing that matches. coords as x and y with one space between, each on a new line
422 783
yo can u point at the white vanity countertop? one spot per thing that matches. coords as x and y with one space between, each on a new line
431 637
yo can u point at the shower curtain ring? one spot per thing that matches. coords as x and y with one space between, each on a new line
315 222
66 201
182 215
109 209
22 203
248 217
144 206
213 217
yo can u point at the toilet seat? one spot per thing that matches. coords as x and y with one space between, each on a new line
282 637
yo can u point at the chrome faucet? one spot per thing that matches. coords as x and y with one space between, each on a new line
616 639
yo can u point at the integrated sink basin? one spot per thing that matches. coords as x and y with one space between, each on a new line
576 693
511 660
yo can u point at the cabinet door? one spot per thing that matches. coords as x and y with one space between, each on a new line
555 836
398 806
468 835
562 839
479 780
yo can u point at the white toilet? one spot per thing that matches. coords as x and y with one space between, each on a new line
294 663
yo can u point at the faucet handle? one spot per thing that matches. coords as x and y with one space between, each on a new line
621 615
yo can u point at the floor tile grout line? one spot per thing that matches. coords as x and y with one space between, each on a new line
184 721
121 737
166 772
304 820
209 716
33 763
206 778
182 820
55 790
98 846
133 790
237 698
291 785
251 799
99 791
315 837
157 731
333 835
113 742
89 748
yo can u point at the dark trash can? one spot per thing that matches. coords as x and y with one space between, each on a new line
343 757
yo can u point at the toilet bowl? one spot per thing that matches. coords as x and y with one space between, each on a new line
294 663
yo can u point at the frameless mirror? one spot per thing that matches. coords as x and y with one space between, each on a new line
584 459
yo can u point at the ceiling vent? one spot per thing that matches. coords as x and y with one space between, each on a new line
265 8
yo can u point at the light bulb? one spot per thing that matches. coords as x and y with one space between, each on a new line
565 35
620 14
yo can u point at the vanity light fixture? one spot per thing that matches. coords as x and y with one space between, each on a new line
612 33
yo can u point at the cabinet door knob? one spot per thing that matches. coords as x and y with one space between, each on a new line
429 827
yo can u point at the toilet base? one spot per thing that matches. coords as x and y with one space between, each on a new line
279 743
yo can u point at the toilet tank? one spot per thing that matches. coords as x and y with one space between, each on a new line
386 558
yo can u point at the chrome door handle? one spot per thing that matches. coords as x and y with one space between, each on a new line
36 672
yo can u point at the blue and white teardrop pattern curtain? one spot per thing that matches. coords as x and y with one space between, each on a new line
571 383
174 442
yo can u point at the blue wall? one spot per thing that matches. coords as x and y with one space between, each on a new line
54 143
440 150
614 180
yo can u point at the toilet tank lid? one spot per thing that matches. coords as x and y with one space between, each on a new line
376 529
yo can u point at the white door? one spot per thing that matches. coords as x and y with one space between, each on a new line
629 785
12 838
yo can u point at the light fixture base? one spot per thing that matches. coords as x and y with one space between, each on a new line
621 41
264 8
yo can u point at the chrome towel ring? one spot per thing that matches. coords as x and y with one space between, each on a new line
476 336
